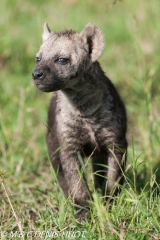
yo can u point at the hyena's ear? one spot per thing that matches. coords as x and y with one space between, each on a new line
95 40
46 32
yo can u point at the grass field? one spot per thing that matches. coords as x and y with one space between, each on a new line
32 205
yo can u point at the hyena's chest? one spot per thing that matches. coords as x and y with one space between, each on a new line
86 131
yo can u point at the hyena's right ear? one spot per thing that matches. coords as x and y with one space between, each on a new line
94 38
46 32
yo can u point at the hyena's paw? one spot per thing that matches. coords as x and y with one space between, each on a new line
82 215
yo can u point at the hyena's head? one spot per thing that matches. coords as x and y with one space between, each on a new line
64 56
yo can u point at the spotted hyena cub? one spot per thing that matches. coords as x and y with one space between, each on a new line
86 115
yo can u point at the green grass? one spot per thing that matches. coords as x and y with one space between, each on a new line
30 197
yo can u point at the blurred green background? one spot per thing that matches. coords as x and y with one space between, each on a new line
131 60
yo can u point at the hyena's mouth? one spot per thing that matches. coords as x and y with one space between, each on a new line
48 87
45 87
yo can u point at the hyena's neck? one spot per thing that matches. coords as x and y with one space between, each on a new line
86 95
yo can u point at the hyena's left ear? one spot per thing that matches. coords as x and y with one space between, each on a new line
95 40
46 32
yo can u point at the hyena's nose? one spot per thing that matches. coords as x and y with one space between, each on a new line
37 74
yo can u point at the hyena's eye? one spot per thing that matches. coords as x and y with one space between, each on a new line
62 60
38 59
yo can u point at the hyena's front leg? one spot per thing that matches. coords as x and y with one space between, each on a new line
77 187
115 170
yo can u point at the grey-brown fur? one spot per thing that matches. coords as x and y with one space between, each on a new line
86 114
